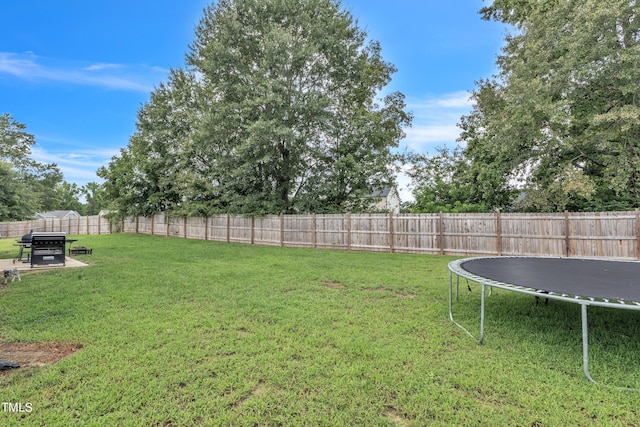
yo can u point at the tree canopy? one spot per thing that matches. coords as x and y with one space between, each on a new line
277 109
560 122
25 185
441 188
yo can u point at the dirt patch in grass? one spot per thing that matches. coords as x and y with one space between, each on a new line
396 293
394 417
334 285
33 355
257 391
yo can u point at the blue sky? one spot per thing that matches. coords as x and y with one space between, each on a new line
75 72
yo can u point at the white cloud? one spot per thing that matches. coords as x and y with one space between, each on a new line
435 121
17 65
102 66
422 134
27 66
460 99
78 166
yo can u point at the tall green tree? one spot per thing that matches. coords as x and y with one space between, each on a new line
278 110
26 185
561 119
440 183
15 143
17 201
69 197
95 198
152 173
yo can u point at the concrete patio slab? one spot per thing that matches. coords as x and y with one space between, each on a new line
8 264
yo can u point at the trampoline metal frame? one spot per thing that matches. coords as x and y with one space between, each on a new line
455 268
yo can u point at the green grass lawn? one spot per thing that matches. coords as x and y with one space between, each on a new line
181 332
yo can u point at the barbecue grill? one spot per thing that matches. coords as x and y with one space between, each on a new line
26 238
48 248
24 243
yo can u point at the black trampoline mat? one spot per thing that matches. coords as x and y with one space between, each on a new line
612 280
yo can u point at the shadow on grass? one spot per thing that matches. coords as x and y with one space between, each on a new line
553 333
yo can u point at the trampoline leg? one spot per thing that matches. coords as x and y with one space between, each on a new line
482 315
585 343
457 286
450 295
451 304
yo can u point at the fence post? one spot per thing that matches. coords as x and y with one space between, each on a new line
253 226
441 232
153 224
137 223
281 229
228 228
314 238
348 231
567 242
206 228
498 232
391 234
637 233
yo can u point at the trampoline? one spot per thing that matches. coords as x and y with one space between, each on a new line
605 283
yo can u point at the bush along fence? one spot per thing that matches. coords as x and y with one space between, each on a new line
604 234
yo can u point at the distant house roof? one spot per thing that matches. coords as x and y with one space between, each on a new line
386 199
384 192
57 215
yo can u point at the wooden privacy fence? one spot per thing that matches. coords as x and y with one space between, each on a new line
94 224
605 234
